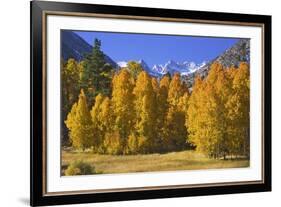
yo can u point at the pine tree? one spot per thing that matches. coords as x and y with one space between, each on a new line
80 125
123 106
97 74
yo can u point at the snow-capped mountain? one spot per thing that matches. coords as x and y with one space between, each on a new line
122 64
143 64
172 67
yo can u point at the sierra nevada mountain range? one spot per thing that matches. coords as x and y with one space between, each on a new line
73 46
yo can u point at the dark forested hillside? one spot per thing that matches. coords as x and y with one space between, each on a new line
73 46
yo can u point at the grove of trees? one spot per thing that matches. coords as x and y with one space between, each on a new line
127 111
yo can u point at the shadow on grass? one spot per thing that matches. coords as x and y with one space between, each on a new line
235 159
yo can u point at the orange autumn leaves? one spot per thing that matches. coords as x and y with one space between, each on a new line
218 112
146 115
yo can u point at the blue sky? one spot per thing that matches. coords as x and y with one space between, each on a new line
158 49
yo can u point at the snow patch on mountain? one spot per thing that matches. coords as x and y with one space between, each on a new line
184 68
122 64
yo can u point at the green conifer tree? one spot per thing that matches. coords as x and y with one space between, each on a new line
97 74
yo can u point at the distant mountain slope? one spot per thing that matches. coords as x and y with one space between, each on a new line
73 46
240 52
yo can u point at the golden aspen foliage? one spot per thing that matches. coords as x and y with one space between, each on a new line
218 113
70 81
194 111
239 111
113 143
138 145
176 90
145 107
134 68
79 124
103 118
165 82
183 102
70 90
106 118
155 85
163 104
212 123
133 144
223 91
98 132
162 110
176 131
123 105
145 115
205 118
215 69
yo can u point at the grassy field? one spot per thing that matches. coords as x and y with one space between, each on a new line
185 160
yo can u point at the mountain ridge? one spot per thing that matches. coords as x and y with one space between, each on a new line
233 56
74 46
170 67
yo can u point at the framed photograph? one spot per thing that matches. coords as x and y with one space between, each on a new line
140 103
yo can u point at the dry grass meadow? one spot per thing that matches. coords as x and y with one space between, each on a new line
184 160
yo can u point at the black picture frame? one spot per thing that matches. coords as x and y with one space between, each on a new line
38 104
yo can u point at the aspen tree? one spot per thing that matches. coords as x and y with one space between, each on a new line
176 131
98 133
123 106
80 124
145 106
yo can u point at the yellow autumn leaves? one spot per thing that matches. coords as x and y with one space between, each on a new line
218 112
146 115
